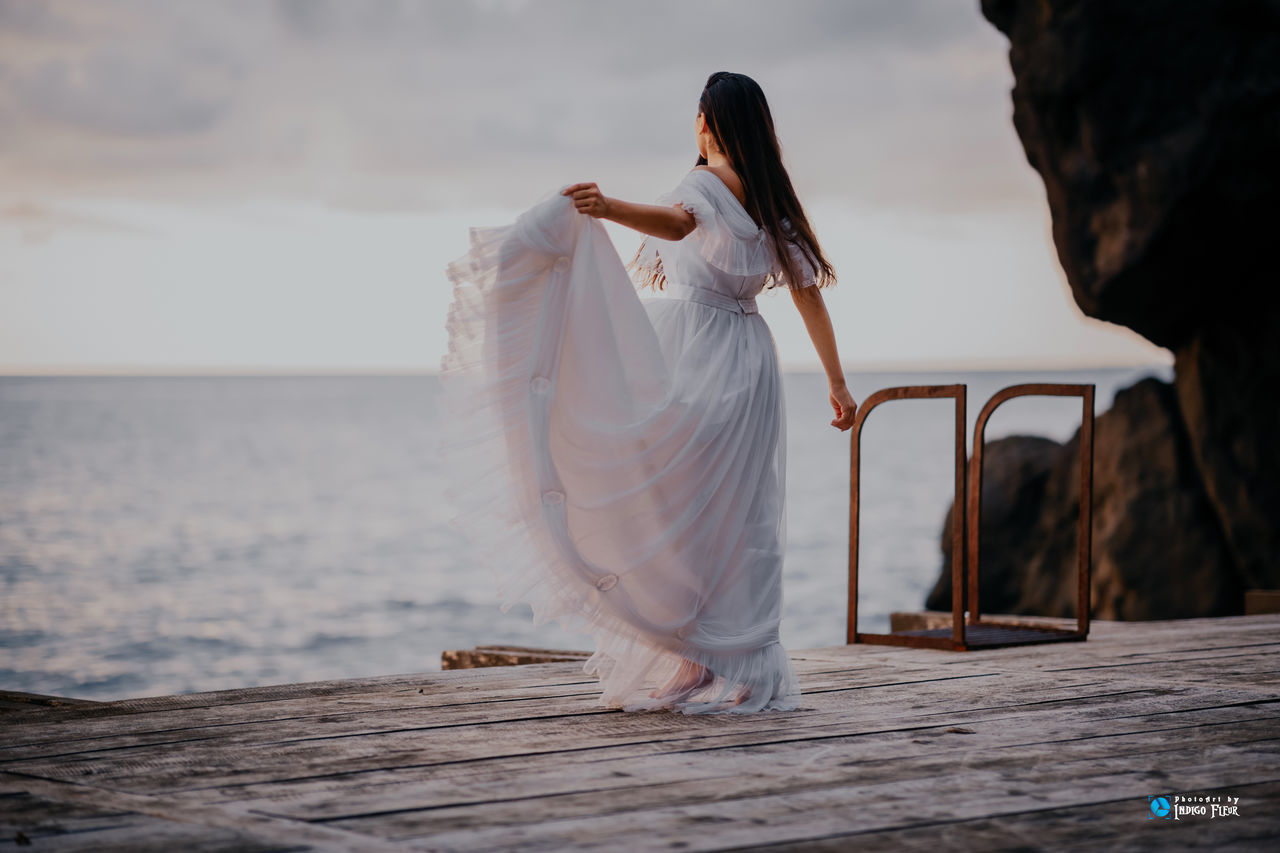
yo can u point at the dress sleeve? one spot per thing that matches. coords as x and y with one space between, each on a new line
743 250
805 268
690 195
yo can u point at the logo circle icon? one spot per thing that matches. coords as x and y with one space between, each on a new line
1160 807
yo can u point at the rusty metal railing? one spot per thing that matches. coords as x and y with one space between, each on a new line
968 630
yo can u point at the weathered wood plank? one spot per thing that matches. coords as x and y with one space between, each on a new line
720 773
258 754
505 656
1110 826
16 700
403 714
441 691
163 825
797 816
42 823
1056 744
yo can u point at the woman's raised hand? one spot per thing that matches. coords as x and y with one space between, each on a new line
845 407
588 199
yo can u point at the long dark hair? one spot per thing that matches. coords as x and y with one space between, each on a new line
740 122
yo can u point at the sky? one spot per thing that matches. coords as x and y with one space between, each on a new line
191 186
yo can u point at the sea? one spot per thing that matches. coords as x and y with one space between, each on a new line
163 535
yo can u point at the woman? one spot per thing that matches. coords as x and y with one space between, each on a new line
633 451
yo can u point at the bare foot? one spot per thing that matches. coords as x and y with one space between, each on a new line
689 677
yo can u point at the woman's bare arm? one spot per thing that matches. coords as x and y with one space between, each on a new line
813 310
667 223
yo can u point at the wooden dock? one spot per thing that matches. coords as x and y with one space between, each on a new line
1033 747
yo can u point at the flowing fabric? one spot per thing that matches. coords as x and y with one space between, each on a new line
622 460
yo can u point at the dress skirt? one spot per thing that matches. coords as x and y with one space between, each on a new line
619 462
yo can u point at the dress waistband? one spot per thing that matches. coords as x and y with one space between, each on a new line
707 296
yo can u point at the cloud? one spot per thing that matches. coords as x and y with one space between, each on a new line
121 94
427 103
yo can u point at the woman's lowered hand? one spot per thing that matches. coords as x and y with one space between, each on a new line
845 407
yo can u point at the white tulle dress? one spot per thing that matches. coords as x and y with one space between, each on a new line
619 462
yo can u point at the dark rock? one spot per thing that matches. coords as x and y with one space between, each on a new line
1157 550
1155 126
1228 382
1014 473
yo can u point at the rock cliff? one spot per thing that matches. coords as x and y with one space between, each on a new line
1155 126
